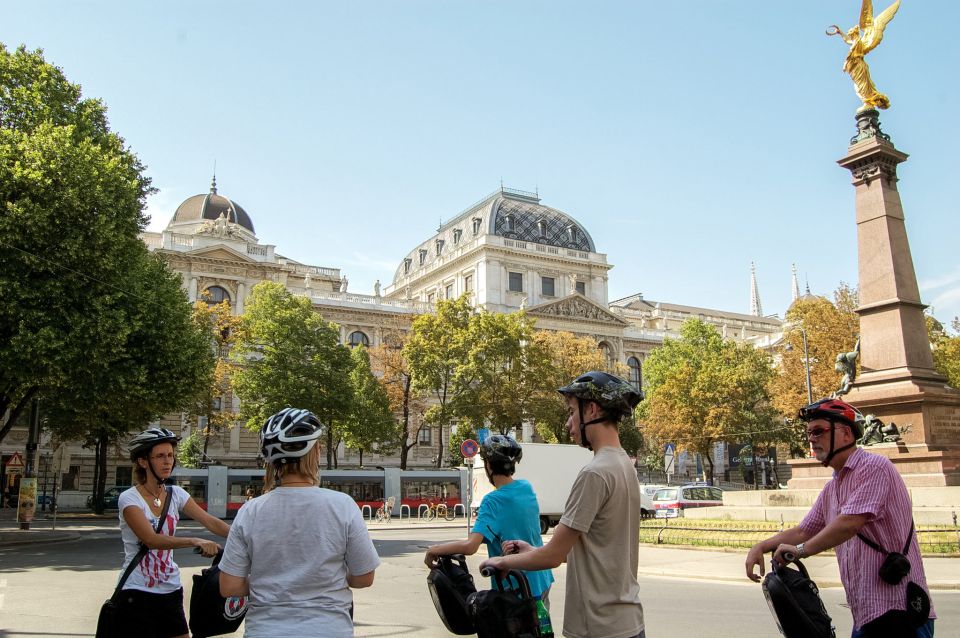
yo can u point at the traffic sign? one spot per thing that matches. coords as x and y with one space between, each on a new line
15 464
482 434
668 456
469 448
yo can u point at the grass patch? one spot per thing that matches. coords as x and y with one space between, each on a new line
935 539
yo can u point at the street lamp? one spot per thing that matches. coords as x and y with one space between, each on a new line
806 358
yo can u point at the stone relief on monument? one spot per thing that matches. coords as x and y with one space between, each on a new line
221 227
575 307
846 364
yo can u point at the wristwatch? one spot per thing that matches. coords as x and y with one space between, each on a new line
800 552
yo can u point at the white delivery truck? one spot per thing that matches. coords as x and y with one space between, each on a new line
550 468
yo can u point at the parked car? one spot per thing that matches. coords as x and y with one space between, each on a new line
647 493
669 502
110 497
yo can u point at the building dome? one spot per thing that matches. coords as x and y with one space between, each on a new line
210 207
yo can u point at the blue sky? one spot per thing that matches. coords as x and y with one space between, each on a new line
690 138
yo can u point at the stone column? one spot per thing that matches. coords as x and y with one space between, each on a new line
898 381
192 289
241 297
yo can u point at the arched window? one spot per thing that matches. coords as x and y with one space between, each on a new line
216 294
636 372
607 351
358 338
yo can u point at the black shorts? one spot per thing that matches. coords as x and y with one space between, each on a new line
147 615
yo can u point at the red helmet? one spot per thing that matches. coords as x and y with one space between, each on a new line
833 410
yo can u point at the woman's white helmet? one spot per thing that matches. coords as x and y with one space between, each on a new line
289 434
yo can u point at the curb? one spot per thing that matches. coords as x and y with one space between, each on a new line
15 539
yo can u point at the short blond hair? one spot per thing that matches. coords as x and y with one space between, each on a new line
306 467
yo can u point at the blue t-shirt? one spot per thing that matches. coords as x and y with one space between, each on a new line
511 513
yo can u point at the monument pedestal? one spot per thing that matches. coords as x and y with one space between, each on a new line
919 466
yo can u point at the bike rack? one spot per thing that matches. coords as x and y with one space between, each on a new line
402 506
463 510
420 509
367 512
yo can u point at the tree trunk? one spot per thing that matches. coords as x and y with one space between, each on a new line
17 409
361 457
710 463
100 480
329 448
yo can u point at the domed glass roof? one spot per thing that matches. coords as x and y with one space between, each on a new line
209 207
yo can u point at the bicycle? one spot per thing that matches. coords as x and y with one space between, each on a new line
385 512
438 510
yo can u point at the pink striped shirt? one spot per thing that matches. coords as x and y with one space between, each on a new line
868 484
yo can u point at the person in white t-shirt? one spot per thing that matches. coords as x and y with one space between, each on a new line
151 604
297 549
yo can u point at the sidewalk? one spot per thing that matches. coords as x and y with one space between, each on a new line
942 573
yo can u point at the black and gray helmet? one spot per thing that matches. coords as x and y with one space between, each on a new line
140 445
289 434
610 392
501 453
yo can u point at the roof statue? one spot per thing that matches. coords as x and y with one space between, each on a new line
376 288
863 39
343 283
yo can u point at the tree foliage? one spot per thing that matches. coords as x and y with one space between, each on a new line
946 349
831 328
435 349
407 404
369 422
563 356
288 355
702 389
71 202
161 356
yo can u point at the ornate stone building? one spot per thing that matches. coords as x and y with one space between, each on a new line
509 251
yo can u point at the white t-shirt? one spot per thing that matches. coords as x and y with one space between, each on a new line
297 545
157 573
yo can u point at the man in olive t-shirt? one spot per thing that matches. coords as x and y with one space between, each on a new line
601 522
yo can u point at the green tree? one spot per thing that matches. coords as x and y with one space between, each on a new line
162 356
946 350
71 206
288 355
498 375
831 328
190 452
703 389
369 423
435 349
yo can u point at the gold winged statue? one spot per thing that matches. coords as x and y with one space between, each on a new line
863 39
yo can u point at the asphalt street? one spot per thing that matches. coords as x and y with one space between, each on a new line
56 590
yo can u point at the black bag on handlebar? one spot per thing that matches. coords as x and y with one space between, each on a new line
450 584
210 613
794 601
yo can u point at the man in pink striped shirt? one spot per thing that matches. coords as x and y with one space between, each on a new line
866 496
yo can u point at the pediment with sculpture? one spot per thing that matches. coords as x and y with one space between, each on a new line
576 306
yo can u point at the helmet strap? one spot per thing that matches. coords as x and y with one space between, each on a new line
584 441
833 452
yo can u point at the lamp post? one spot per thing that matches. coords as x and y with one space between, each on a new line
806 359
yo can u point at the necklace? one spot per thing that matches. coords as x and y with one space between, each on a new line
156 498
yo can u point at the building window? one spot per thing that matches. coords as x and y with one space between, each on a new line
476 225
217 404
572 234
431 297
456 236
423 256
216 294
511 223
582 288
607 352
71 479
124 476
439 245
358 338
448 292
425 436
636 373
542 227
468 283
515 282
547 287
406 266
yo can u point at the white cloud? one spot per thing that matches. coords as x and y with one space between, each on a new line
160 208
940 281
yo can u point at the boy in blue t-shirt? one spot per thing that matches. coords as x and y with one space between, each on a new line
509 512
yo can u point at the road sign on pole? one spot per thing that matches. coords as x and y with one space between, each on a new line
669 455
469 448
15 464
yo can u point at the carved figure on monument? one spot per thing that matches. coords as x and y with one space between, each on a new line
573 283
847 366
863 39
343 283
307 283
875 431
376 288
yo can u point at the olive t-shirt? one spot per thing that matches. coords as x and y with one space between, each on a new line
603 597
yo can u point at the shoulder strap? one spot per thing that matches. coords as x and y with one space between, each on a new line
143 548
906 545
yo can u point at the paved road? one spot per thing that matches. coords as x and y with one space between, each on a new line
57 589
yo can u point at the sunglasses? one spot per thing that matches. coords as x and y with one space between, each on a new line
816 433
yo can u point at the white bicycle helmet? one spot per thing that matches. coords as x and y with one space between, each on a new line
289 434
144 442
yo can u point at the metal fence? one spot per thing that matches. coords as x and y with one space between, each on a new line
942 540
